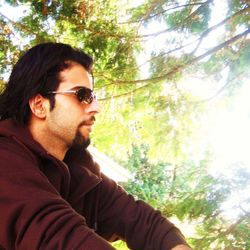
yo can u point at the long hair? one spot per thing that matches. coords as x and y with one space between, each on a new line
37 71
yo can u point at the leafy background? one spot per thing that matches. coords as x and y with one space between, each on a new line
171 77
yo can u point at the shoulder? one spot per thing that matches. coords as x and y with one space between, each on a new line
13 153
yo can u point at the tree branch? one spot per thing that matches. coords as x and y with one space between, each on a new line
153 4
101 74
162 12
19 25
149 81
134 38
204 33
226 20
233 226
191 61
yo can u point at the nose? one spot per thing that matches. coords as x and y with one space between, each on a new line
93 107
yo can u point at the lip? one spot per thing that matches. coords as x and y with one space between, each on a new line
88 124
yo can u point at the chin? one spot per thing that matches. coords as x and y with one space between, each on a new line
81 141
86 143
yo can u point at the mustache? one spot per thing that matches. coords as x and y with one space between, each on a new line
88 122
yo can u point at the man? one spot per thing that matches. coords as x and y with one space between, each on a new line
52 194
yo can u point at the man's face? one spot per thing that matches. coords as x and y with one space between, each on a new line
71 121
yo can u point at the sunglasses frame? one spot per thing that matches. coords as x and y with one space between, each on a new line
83 99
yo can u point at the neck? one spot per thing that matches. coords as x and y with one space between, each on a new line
53 146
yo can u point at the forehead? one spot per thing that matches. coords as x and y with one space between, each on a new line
75 76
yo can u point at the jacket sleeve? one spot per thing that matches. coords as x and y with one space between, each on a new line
33 215
136 222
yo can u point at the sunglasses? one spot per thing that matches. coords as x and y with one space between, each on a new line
83 94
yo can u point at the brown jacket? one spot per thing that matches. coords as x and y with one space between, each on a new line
49 204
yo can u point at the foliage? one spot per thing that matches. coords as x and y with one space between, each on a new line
149 179
190 193
215 230
113 33
120 245
142 55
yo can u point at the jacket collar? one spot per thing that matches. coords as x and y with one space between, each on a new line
74 157
79 172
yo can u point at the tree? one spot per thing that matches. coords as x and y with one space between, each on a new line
114 33
149 182
142 93
190 193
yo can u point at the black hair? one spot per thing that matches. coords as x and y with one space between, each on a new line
37 72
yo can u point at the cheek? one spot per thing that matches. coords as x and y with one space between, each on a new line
72 113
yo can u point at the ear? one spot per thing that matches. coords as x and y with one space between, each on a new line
38 106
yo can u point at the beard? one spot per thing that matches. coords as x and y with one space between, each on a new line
80 141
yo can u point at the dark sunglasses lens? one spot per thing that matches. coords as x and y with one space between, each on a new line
84 95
